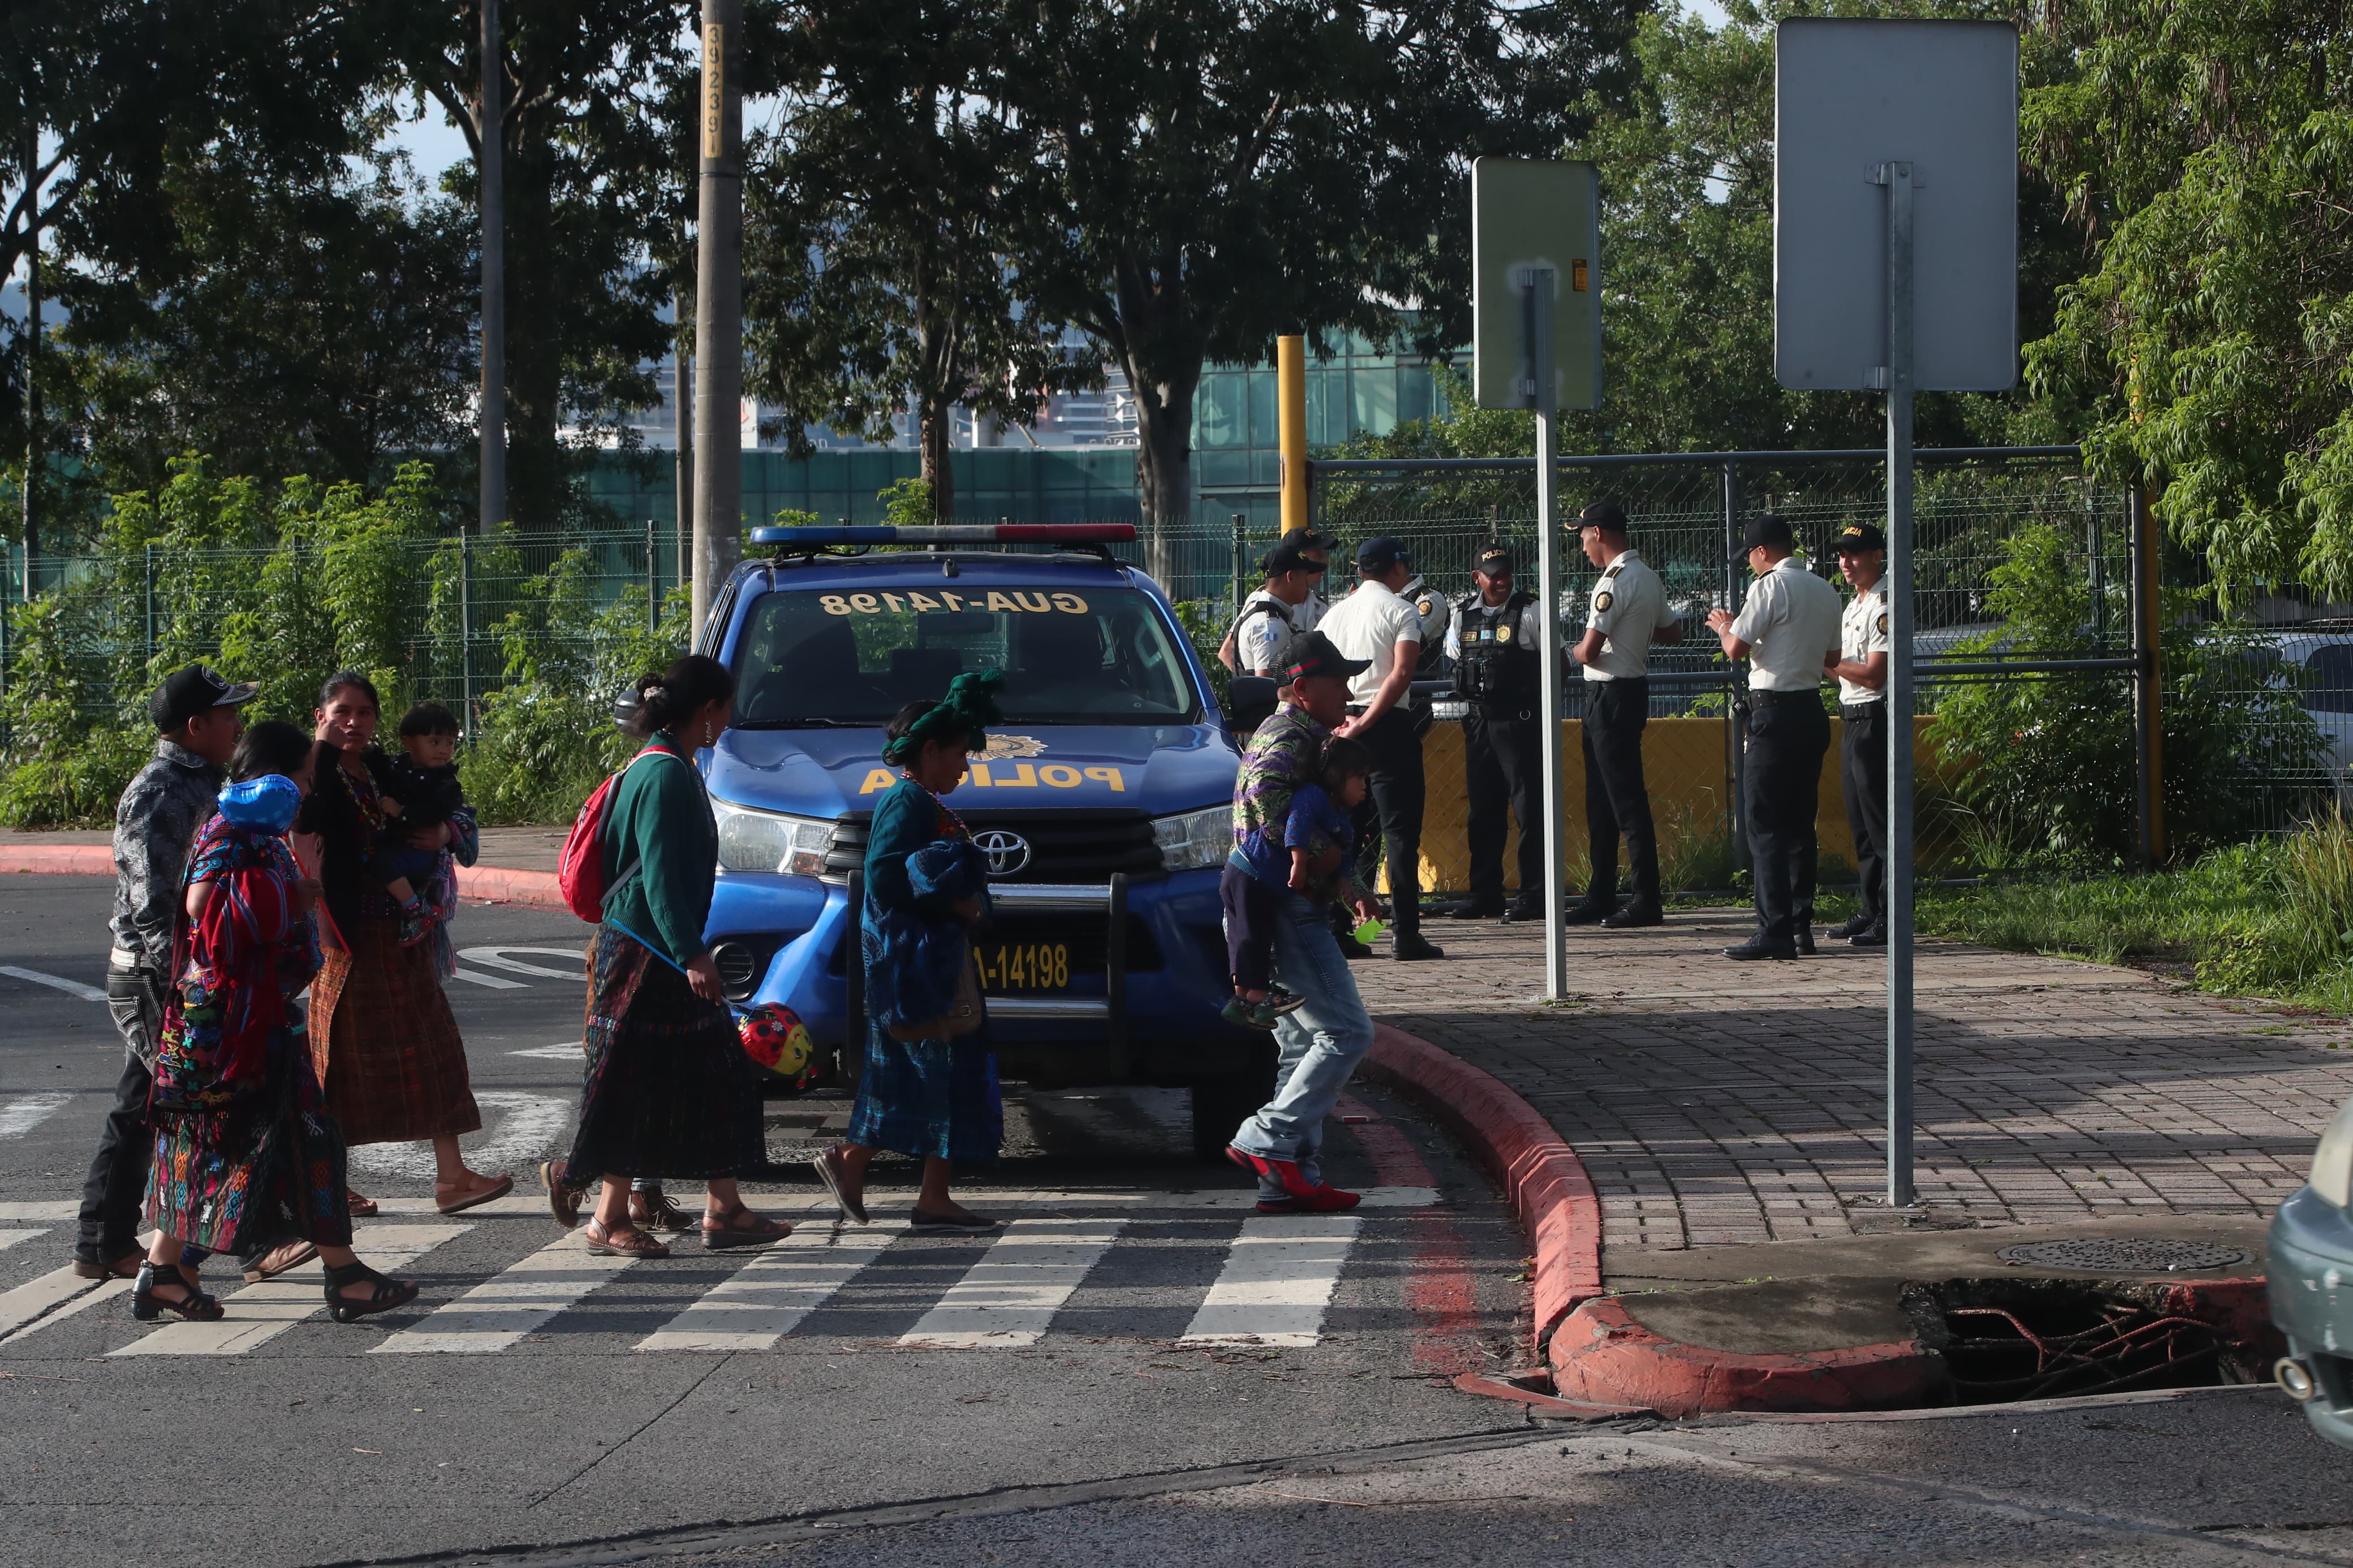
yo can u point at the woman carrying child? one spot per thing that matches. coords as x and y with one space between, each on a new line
382 1035
1305 852
247 1155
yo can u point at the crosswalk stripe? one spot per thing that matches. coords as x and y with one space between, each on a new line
9 1238
1278 1280
501 1311
55 983
1010 1298
769 1297
496 958
20 1113
260 1313
54 1296
475 977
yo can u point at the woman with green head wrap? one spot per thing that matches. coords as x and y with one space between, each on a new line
934 1099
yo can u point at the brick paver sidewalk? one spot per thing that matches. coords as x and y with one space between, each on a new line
1722 1102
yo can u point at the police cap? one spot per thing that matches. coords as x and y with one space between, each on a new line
1769 532
1290 555
1380 553
1857 537
1494 561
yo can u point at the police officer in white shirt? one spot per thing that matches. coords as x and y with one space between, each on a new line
1437 617
1626 614
1860 668
1788 632
1277 614
1373 624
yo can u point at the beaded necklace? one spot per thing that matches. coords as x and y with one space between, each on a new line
951 825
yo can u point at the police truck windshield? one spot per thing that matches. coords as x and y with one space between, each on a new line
811 658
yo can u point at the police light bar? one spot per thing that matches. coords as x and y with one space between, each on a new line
955 533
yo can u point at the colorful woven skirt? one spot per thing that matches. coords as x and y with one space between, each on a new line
668 1091
385 1043
930 1098
265 1170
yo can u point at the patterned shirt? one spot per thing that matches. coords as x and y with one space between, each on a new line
155 823
1281 757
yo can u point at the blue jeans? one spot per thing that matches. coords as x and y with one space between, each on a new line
1319 1045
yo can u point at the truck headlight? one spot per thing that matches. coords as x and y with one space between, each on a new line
2332 1162
770 841
1196 840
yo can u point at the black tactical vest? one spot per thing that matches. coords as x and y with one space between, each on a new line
1497 670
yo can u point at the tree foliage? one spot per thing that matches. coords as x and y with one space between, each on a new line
2206 147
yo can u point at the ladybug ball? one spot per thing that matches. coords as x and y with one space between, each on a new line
775 1037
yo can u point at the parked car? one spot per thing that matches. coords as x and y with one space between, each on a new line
1103 802
2311 1287
2325 661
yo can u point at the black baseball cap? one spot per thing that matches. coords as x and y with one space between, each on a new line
193 691
1769 531
1603 514
1859 536
1312 653
1380 553
1290 555
1494 561
1313 539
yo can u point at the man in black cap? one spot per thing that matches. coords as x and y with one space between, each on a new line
1278 613
1375 624
1789 631
1626 615
198 718
1493 641
1860 668
1314 554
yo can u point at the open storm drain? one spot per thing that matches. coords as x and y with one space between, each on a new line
2008 1339
2124 1255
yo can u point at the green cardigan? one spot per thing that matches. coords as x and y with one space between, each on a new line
659 823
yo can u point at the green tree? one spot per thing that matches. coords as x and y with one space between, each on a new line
2206 146
1207 176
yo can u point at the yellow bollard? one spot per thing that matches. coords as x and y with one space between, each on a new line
1291 428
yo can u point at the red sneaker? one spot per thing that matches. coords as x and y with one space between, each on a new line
1284 1171
1327 1199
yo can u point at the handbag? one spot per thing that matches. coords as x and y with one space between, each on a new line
963 1017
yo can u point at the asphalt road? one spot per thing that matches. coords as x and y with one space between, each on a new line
573 1416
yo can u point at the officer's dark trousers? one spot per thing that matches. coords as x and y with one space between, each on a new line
1392 808
1502 766
1616 799
1787 734
1862 773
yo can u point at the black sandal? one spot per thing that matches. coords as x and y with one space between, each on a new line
147 1306
389 1292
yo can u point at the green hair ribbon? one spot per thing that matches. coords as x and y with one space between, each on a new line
969 708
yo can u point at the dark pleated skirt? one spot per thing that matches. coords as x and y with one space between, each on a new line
385 1043
668 1091
261 1171
930 1098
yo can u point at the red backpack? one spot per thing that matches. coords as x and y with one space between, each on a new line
580 872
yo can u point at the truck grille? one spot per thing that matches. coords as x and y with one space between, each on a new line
1065 845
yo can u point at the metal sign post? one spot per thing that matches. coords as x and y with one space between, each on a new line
1535 298
1896 105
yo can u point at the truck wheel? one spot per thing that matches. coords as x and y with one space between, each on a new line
1221 1106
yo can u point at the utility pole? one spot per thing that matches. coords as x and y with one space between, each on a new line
681 391
31 487
491 132
719 308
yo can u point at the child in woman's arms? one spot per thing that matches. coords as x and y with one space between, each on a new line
418 785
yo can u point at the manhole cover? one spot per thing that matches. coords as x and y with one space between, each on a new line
2122 1255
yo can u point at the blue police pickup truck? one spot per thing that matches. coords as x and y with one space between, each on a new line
1103 801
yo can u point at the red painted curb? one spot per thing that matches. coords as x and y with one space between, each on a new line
1603 1356
496 885
1541 1175
59 860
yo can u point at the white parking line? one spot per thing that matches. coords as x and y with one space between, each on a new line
9 1238
767 1298
54 1296
1010 1298
492 981
528 1129
501 1309
567 1052
55 983
496 958
20 1113
260 1313
1277 1281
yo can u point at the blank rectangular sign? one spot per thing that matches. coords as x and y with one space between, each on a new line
1852 95
1529 213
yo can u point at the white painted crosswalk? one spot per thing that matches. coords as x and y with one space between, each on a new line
20 1113
1276 1281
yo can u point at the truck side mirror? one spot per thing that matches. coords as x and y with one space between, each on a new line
1250 700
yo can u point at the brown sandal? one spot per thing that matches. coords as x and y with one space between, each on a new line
361 1209
627 1242
732 1232
471 1197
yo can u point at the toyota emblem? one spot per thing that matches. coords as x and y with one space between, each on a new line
1008 852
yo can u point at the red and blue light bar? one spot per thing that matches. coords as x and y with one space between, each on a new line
954 534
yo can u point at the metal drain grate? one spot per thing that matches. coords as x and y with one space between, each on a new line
2124 1254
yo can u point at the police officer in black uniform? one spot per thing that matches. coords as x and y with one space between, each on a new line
1493 641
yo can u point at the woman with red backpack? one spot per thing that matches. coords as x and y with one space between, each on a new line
668 1090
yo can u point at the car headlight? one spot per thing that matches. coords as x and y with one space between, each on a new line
2332 1162
770 841
1196 840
